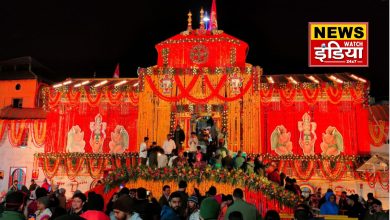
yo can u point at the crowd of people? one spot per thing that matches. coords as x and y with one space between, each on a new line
49 202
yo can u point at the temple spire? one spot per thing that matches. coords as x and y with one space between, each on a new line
213 17
189 26
201 19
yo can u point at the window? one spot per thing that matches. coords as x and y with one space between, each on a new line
18 86
17 103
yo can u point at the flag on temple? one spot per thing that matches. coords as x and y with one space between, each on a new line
116 72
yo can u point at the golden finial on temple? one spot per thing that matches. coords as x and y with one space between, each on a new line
189 26
201 19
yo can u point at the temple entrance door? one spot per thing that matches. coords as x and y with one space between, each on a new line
197 122
19 174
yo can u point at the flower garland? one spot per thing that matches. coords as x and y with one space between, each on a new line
266 94
72 170
310 94
96 172
39 132
357 93
334 93
235 178
3 125
15 134
72 96
54 97
287 94
304 174
93 99
50 173
114 99
133 96
377 133
334 174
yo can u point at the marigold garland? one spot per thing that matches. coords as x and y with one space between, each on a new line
93 99
15 133
73 96
332 174
310 94
334 93
266 94
50 173
235 178
3 126
287 94
377 133
357 93
54 97
304 174
39 132
114 99
73 170
96 172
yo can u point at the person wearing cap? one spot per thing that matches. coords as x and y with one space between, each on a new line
172 212
249 211
192 211
124 209
43 212
209 209
14 205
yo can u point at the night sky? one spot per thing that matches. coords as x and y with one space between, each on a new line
77 38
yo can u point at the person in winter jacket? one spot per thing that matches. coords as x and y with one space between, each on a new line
329 207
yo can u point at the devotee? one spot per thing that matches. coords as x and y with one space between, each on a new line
236 215
14 187
209 208
179 137
172 212
226 202
165 196
132 193
78 201
323 199
153 151
249 211
274 174
259 165
192 144
168 145
143 151
124 209
145 208
302 212
162 160
354 208
272 215
43 212
62 198
250 166
14 205
227 162
184 196
377 212
239 160
95 208
343 205
370 199
173 157
192 211
32 207
330 206
33 185
46 185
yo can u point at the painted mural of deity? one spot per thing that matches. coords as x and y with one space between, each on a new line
98 134
307 134
332 142
75 141
280 141
119 140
